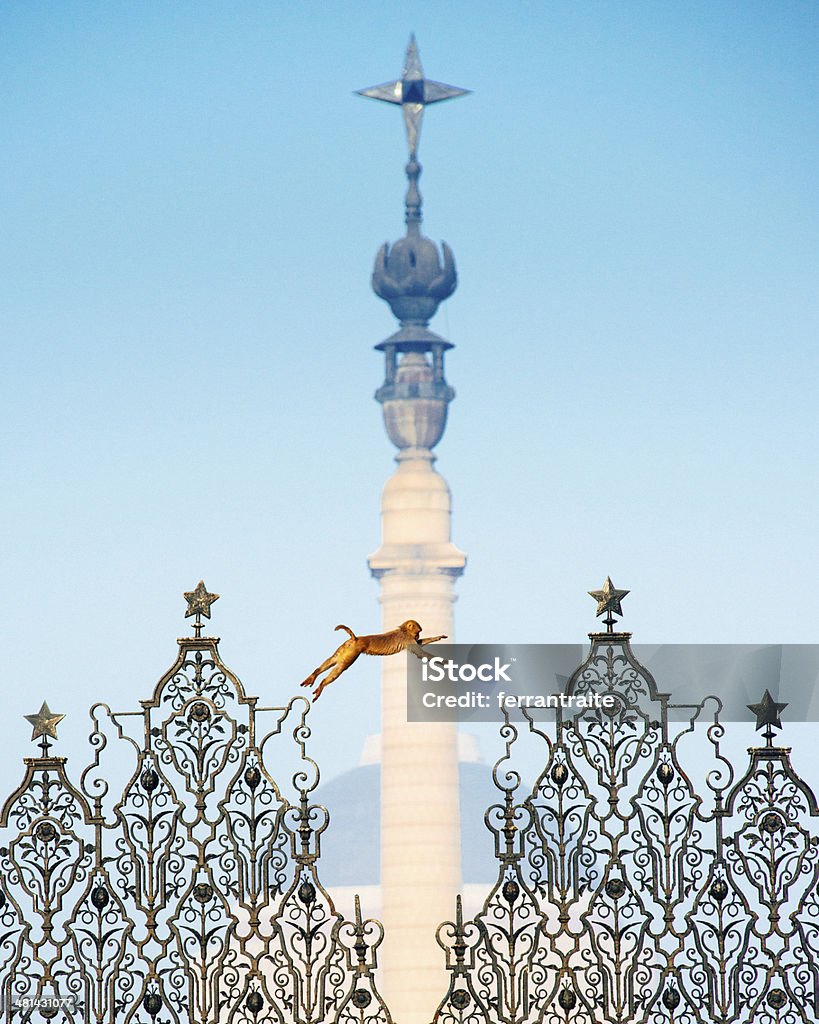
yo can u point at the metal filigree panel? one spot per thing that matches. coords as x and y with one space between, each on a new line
624 894
195 894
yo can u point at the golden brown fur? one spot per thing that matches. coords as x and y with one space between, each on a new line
406 637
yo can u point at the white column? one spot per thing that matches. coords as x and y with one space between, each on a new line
417 565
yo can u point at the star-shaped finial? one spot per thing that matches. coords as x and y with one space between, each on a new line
767 715
44 725
199 602
413 92
609 601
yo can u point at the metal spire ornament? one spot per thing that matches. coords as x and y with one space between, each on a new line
412 91
414 278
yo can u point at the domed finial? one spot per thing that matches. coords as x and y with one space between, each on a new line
411 276
414 278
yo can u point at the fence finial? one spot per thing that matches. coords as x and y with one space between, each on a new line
44 726
609 600
199 602
767 713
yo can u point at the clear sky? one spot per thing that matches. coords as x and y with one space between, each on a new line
192 198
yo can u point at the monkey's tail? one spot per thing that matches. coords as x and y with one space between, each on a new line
348 630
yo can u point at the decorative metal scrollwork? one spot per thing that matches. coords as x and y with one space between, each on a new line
196 895
629 888
625 892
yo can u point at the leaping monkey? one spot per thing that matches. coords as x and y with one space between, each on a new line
406 637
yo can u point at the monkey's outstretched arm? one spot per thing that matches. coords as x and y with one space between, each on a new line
417 648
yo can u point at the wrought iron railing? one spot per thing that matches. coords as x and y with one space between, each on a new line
624 894
196 896
628 890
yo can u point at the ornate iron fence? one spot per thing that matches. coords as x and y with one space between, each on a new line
197 897
623 894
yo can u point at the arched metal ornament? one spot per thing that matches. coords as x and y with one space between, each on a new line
194 893
634 886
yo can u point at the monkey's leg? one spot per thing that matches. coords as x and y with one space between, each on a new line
341 666
327 663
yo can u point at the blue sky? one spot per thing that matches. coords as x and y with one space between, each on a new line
192 199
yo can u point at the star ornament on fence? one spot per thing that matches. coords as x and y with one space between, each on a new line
199 602
767 713
609 602
44 726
